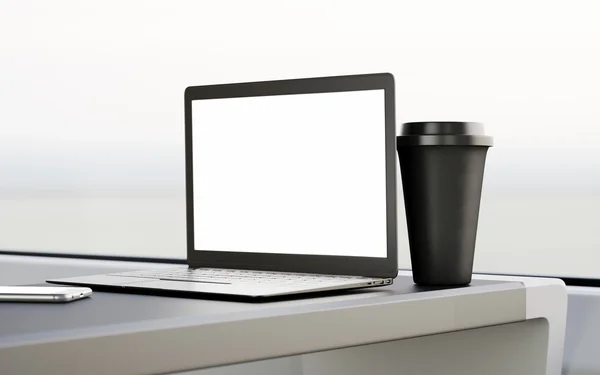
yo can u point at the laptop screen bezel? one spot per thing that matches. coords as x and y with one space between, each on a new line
326 264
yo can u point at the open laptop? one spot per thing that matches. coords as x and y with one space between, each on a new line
290 188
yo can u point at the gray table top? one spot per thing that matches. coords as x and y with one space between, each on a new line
103 308
113 323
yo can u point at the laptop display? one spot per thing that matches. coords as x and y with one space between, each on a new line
291 174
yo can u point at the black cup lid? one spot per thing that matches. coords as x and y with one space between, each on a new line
443 133
445 127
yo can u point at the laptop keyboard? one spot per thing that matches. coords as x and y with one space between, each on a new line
230 276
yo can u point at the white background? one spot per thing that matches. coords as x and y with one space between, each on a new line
291 174
91 110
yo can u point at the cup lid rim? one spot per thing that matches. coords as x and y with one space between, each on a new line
445 140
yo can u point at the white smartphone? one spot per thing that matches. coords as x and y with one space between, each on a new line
42 293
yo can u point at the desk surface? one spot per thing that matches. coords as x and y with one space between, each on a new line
105 309
143 329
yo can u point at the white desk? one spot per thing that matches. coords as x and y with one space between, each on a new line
497 325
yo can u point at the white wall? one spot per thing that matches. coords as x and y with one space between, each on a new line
91 113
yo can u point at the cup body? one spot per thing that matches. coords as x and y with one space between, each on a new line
442 180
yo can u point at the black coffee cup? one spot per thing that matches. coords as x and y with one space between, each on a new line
442 167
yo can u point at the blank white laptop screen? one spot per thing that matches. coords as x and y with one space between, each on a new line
291 174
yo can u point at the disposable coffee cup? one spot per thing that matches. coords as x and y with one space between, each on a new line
442 166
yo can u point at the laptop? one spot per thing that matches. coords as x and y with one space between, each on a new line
290 189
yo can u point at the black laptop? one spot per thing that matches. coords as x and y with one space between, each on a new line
291 188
